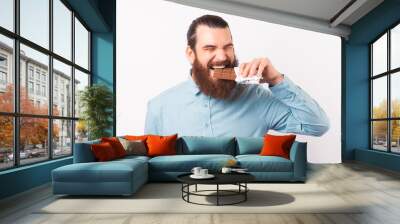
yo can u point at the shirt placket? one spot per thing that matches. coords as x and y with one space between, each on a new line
207 127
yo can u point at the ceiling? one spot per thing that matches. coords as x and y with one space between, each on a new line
327 16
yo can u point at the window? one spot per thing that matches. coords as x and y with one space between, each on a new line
30 88
37 74
62 29
3 78
7 14
6 142
3 61
35 21
81 45
30 72
6 73
385 91
44 91
45 118
62 75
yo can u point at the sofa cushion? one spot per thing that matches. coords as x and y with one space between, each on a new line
161 145
249 145
257 163
134 147
111 171
185 163
196 145
116 145
277 145
103 152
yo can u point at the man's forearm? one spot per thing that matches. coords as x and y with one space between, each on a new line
312 120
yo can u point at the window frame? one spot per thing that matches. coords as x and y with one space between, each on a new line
388 74
15 72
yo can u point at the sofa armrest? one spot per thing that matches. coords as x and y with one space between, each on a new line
83 152
298 155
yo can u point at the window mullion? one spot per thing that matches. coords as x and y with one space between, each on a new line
16 84
50 79
73 82
389 114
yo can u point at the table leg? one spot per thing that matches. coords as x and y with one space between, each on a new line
245 193
217 194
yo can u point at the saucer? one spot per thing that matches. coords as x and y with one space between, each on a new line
208 176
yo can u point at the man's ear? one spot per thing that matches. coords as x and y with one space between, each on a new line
190 54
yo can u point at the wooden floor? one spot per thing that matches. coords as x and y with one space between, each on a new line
378 188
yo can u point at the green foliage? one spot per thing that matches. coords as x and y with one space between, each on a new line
96 102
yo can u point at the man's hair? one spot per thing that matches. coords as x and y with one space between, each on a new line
211 21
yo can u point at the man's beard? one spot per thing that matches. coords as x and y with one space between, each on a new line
216 88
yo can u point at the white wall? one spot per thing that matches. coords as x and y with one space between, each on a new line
151 41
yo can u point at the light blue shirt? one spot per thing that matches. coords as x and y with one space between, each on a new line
285 107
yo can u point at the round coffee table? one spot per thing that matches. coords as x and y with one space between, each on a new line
238 179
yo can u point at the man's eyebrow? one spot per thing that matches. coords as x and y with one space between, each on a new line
210 45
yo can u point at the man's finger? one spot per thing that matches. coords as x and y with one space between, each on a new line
261 67
254 66
246 69
241 68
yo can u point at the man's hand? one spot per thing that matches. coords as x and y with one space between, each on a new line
261 67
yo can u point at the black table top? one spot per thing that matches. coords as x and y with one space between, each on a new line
220 178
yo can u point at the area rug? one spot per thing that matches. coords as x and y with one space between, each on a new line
167 198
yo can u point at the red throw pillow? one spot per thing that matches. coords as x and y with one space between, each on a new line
161 145
136 137
103 151
277 145
116 145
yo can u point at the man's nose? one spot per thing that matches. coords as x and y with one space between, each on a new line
220 55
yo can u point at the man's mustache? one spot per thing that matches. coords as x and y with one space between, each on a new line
227 64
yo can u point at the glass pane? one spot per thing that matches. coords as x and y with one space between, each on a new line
379 97
35 21
6 142
81 131
395 94
81 45
7 14
62 138
6 74
379 135
379 55
81 81
62 89
395 47
34 97
62 29
395 136
33 139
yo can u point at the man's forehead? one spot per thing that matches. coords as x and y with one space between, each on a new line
213 36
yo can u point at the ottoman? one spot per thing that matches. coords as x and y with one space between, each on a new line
118 177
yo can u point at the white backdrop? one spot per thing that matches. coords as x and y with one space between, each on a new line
151 42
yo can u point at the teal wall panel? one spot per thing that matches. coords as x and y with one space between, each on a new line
99 16
356 83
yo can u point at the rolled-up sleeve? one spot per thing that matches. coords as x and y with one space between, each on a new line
293 110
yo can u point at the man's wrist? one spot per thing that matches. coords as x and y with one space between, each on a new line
275 81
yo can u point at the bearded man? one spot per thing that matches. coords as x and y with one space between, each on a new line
207 106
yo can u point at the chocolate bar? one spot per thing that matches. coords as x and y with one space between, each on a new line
225 73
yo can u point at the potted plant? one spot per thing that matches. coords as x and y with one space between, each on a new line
96 102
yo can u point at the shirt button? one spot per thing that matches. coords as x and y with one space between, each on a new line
205 105
206 125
